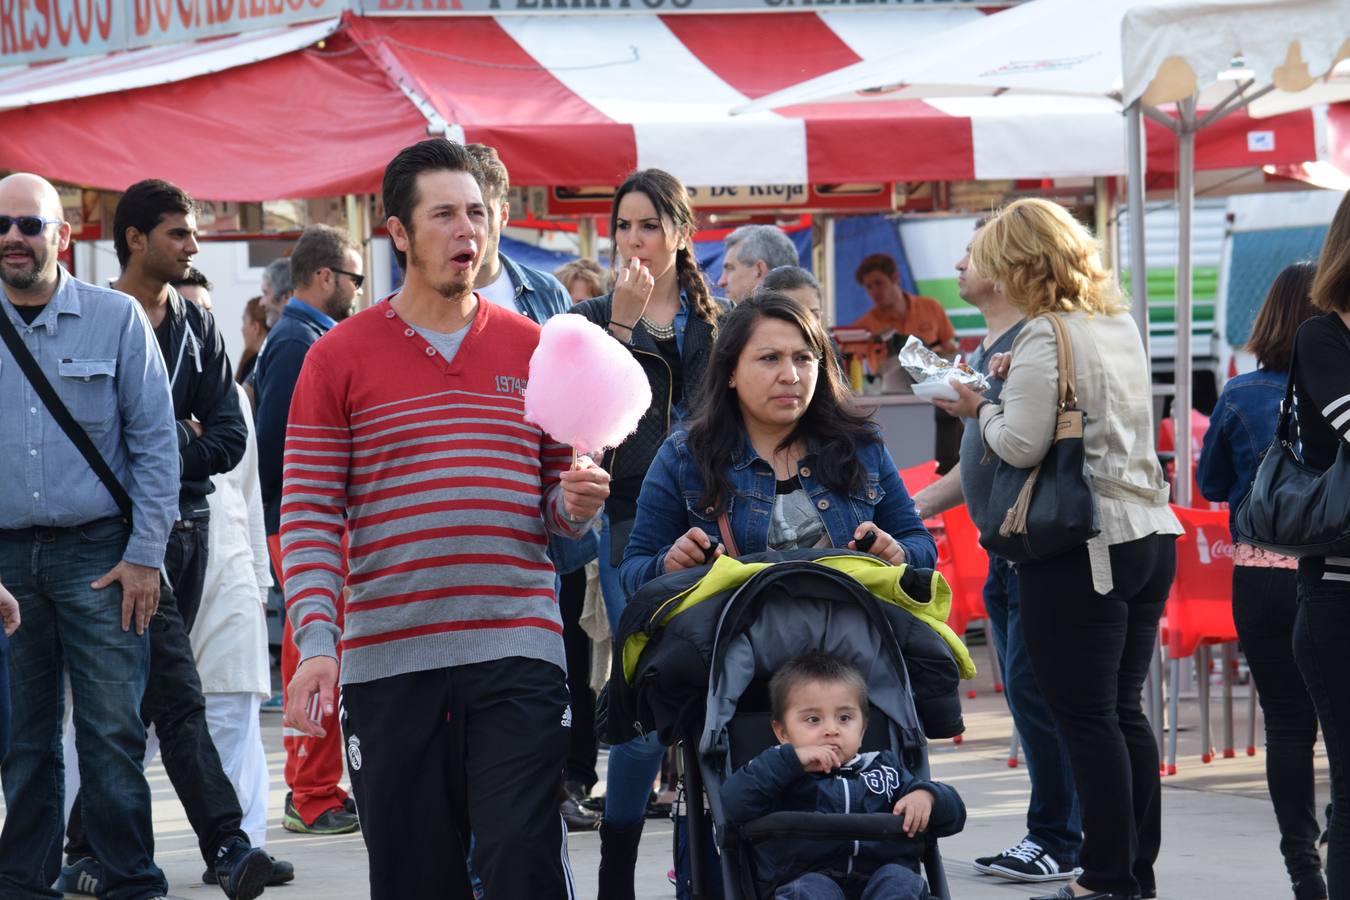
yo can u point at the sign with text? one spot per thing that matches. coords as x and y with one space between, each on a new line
556 7
858 197
46 30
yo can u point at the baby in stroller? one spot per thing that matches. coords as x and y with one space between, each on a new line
820 707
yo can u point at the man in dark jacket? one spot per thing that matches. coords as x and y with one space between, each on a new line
820 715
326 277
155 233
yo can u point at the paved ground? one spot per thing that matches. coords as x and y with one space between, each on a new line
1220 839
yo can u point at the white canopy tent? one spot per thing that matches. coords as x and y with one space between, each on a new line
1208 57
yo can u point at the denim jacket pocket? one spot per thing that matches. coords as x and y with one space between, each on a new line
867 497
705 517
88 389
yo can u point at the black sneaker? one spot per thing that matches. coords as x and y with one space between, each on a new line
282 873
1066 893
1024 862
83 876
331 821
242 871
577 817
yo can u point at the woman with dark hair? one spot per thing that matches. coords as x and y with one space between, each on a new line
255 330
662 310
1265 585
777 453
1322 624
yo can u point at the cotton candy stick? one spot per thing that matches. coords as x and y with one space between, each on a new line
585 388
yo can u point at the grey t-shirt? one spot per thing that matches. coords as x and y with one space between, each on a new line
794 523
977 478
446 343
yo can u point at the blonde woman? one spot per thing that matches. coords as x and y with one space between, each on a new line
1090 615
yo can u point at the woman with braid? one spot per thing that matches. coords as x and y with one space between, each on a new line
662 310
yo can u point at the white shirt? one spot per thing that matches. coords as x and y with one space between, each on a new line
229 638
501 292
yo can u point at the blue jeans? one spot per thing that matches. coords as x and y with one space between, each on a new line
610 588
891 882
1053 819
628 779
4 694
68 625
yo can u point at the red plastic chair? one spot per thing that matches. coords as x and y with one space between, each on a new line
1200 615
1167 443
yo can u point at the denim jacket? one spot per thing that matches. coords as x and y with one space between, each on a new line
1239 432
538 294
669 506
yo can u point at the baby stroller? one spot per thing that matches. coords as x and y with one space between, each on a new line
698 647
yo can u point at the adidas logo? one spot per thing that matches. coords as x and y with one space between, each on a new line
567 716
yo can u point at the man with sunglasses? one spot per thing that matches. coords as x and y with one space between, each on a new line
86 580
326 274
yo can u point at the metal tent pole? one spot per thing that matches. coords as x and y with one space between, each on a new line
1134 155
1181 405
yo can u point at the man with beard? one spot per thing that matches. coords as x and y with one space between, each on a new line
155 236
86 580
408 428
326 274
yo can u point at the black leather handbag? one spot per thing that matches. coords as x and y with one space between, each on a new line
1037 513
1291 508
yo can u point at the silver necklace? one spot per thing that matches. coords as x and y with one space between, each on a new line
659 332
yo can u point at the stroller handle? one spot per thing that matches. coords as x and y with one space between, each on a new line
838 826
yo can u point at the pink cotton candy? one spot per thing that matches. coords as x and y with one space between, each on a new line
585 388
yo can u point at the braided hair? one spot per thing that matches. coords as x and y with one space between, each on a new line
671 201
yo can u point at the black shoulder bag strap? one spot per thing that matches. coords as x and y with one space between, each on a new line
78 436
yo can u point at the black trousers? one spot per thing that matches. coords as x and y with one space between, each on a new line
1321 636
1265 602
439 755
1091 653
173 703
581 747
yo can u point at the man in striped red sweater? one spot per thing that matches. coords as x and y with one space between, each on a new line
407 429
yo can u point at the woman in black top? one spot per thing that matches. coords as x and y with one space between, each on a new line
1322 625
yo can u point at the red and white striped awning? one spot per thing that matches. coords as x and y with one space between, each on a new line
575 100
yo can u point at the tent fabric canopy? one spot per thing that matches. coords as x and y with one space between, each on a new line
1160 50
576 100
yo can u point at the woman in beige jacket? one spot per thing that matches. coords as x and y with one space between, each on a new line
1090 615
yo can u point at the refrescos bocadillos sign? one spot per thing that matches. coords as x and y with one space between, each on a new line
39 30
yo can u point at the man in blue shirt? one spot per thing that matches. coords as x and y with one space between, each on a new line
326 278
86 580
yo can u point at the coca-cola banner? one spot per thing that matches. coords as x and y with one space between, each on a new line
44 30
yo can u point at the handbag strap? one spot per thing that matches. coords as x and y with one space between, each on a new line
728 542
1068 387
78 436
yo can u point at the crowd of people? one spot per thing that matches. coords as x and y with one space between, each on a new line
450 571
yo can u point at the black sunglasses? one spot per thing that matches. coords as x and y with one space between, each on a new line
357 280
28 225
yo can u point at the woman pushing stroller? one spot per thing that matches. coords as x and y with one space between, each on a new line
775 459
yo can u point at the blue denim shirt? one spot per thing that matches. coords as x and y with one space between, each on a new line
539 295
1240 430
97 349
669 506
